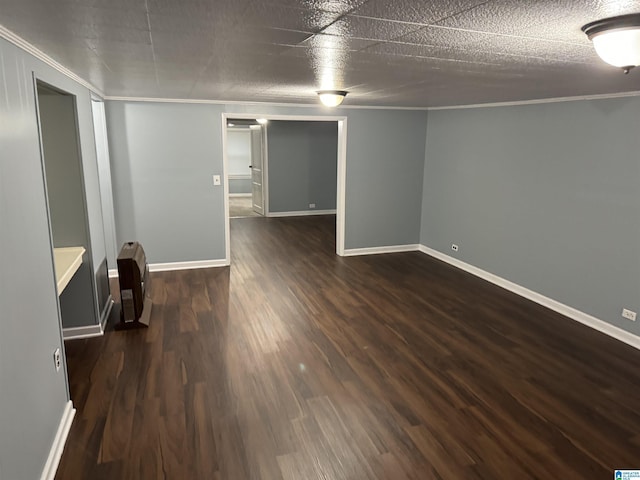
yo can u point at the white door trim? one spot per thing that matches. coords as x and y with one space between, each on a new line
265 170
225 192
342 186
341 173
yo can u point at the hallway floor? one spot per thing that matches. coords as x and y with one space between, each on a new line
240 207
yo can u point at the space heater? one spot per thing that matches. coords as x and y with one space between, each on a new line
134 278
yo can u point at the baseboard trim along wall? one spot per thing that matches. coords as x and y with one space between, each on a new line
240 195
74 333
352 252
561 308
51 465
169 266
166 267
301 213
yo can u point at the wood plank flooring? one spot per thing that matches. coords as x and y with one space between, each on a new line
240 207
296 364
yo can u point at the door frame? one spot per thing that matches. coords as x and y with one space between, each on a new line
341 173
264 161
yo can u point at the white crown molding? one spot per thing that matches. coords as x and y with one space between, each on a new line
59 441
21 43
603 96
561 308
258 104
600 96
301 213
170 266
353 252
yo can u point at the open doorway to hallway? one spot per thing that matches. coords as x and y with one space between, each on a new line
294 181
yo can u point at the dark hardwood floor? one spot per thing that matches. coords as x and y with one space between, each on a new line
296 364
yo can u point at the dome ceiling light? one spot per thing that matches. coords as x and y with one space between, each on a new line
616 40
331 98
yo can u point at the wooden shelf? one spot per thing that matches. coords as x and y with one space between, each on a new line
67 261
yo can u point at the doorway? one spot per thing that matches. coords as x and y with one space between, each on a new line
246 150
340 174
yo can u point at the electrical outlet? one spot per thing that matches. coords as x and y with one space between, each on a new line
629 314
312 205
57 360
454 247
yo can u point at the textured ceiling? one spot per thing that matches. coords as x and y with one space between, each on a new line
409 53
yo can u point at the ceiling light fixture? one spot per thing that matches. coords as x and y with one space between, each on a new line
616 40
262 121
331 98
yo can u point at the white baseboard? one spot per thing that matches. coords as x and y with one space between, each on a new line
352 252
169 266
241 195
88 331
75 333
55 453
301 213
166 267
561 308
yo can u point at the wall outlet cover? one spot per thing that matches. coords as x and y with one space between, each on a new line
57 359
454 247
629 314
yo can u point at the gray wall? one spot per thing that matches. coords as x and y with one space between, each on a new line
385 166
239 151
545 196
239 158
302 168
32 394
163 156
240 186
64 177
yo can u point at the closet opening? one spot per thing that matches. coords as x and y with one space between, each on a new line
66 205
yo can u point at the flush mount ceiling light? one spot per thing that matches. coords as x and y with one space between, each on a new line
331 98
617 40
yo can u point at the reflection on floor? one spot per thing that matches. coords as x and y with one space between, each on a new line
241 207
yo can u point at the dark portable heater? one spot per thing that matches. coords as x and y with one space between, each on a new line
134 278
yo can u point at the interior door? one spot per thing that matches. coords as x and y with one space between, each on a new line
257 172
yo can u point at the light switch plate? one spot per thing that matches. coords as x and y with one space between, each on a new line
216 179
